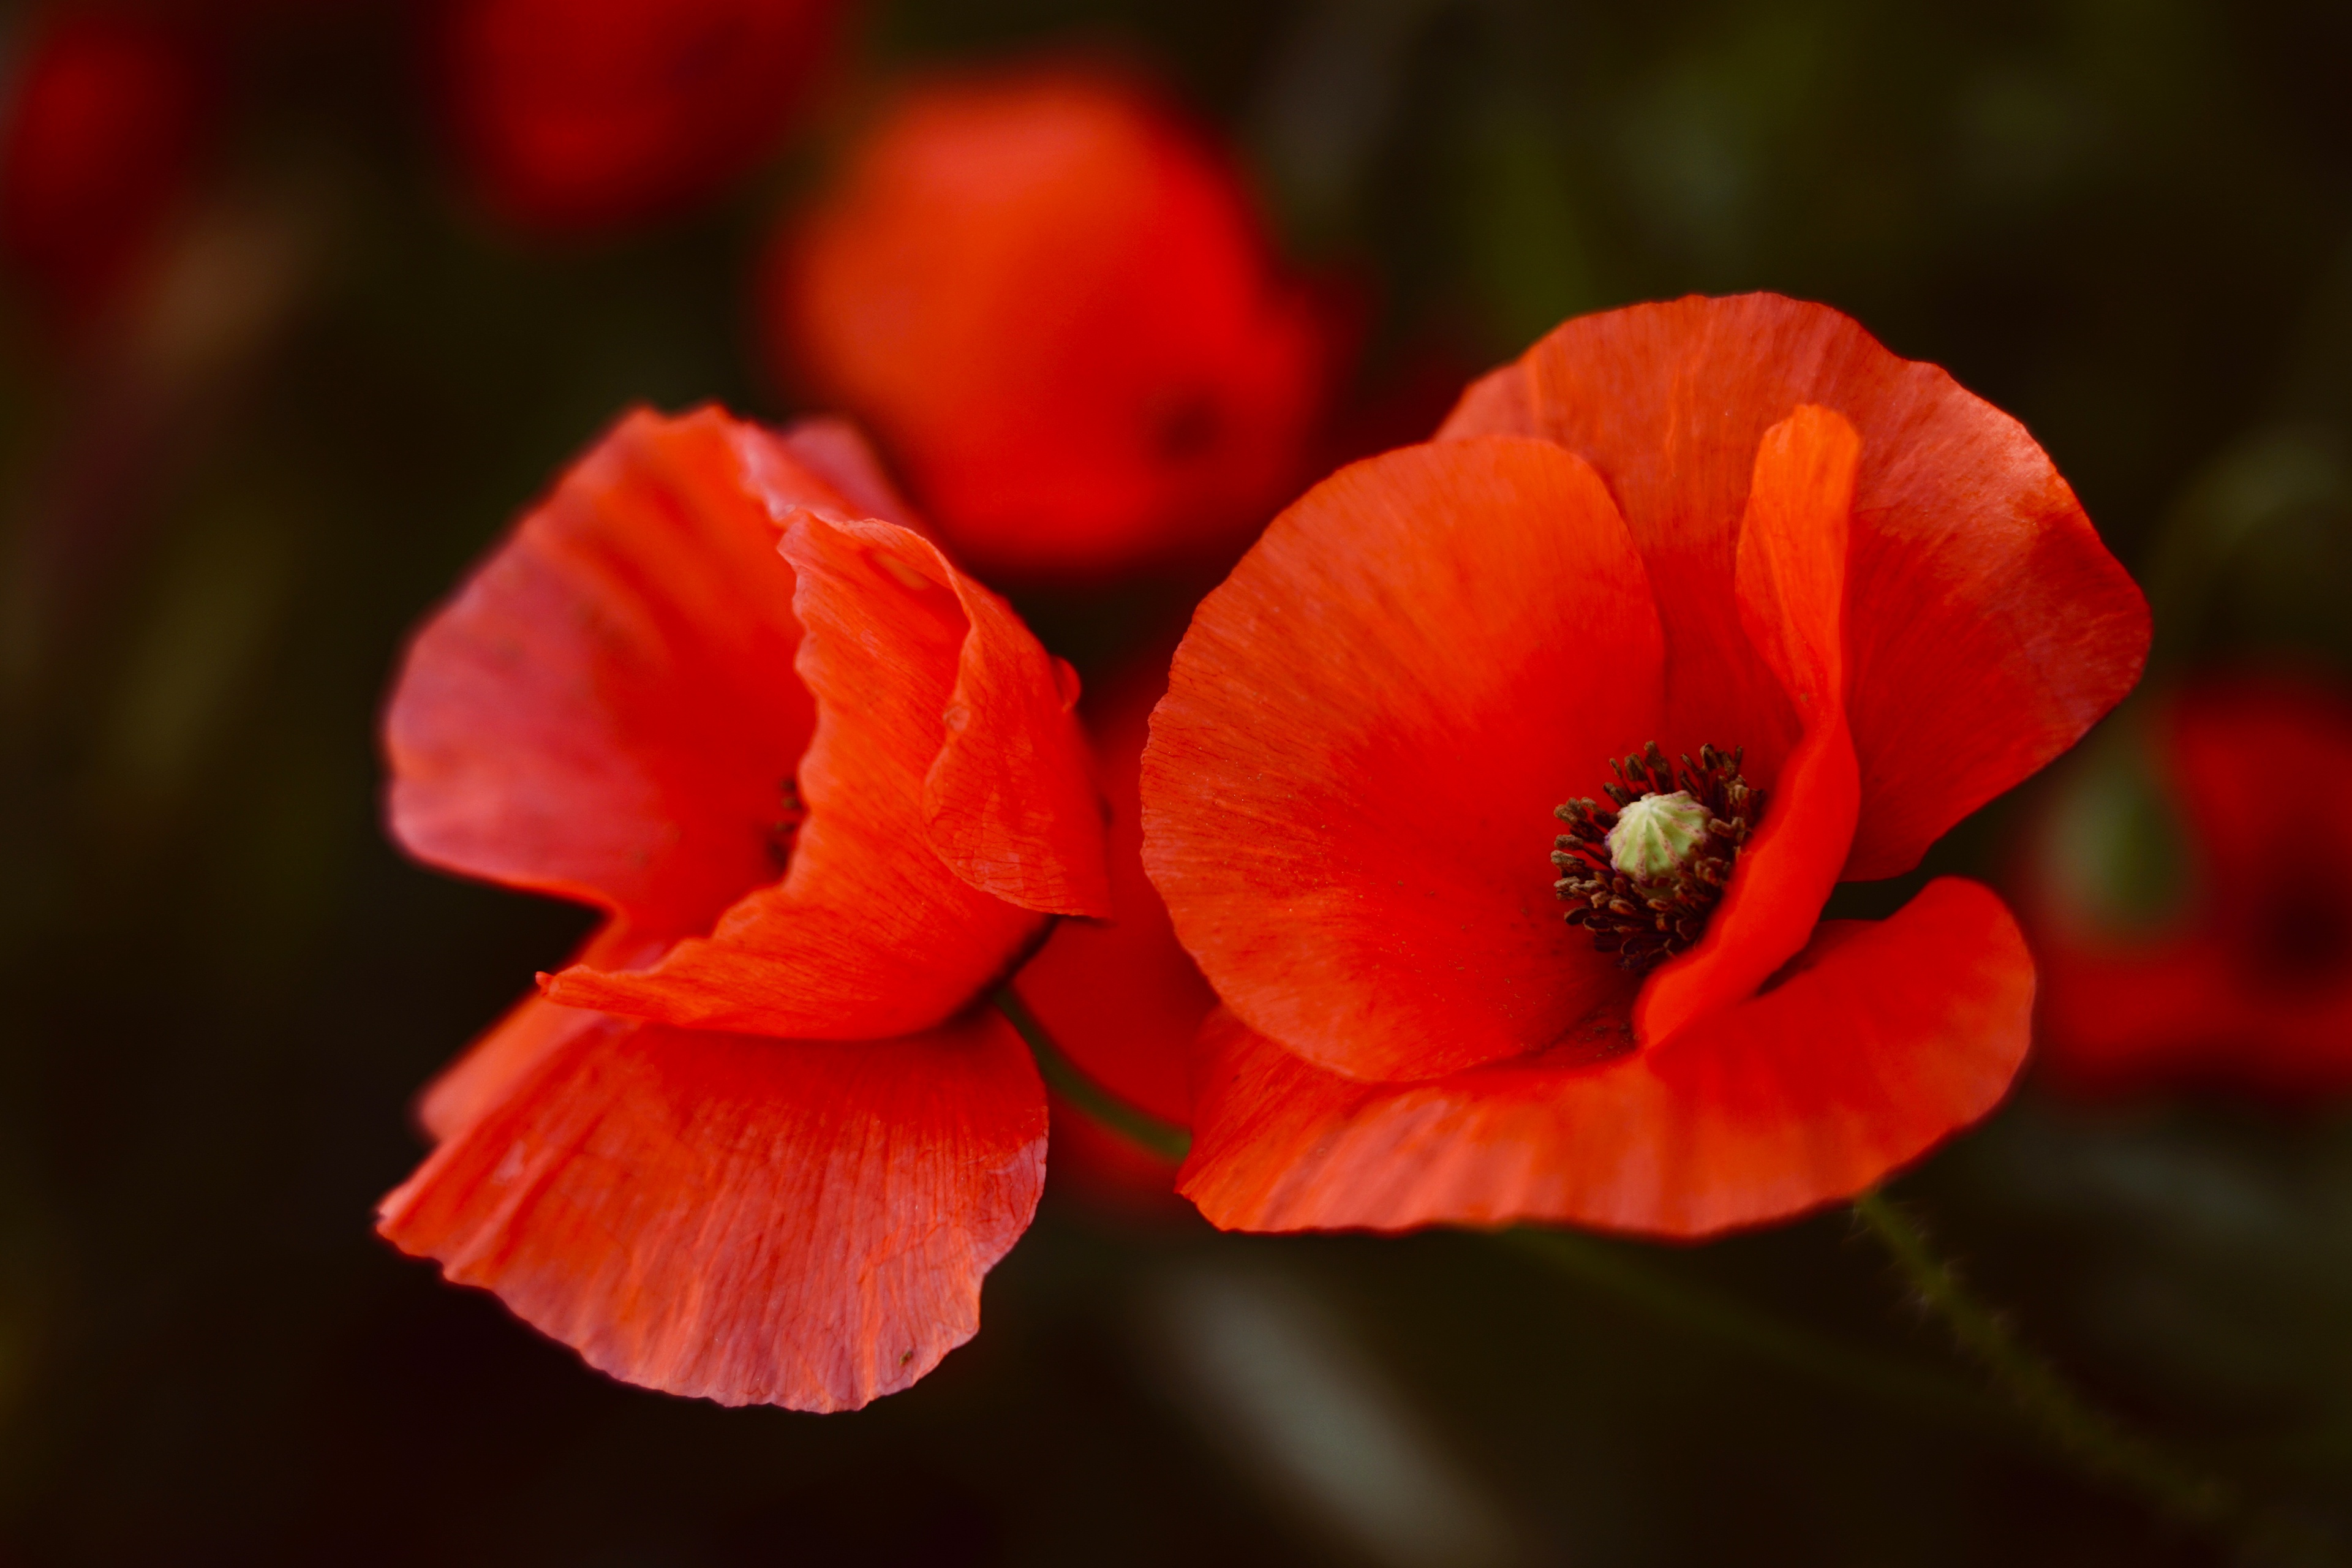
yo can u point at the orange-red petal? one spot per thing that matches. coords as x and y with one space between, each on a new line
1348 792
607 710
749 1220
1885 1039
949 805
1790 578
1987 626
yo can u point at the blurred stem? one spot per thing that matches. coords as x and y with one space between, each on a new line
1623 1271
2093 1439
1065 1078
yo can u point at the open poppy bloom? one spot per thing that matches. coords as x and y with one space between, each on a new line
2186 935
756 1144
1846 600
1054 303
583 114
112 109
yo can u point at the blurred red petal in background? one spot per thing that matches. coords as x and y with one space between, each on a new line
586 114
2189 900
111 110
1055 301
827 790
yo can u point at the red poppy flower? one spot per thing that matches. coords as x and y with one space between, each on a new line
582 114
755 1144
1731 522
111 111
1121 997
2186 934
1054 301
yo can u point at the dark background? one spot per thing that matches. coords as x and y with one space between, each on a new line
2126 221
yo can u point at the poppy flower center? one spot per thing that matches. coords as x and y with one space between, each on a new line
1645 871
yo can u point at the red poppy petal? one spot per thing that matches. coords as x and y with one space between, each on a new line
754 1221
1895 1034
1011 803
1791 576
481 1079
946 777
1348 792
605 711
1987 626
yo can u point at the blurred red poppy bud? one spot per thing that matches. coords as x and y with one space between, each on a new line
1055 301
111 111
586 115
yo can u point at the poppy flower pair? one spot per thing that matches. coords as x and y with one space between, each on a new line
1824 600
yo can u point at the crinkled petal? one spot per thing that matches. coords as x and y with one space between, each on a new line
749 1220
1348 792
1886 1039
1791 591
607 710
1987 626
949 805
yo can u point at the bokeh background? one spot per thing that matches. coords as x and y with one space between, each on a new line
2128 221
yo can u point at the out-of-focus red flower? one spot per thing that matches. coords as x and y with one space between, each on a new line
1054 301
1731 522
2242 976
586 114
755 1144
1121 997
111 110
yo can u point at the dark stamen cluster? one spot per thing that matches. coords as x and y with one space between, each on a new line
785 831
1646 923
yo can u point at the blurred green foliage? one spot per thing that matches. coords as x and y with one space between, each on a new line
2128 221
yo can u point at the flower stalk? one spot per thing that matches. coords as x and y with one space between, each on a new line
1065 1078
2094 1439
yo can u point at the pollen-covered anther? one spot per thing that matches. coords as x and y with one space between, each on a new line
1645 875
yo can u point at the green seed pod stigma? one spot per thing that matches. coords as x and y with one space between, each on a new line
1656 836
1644 876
